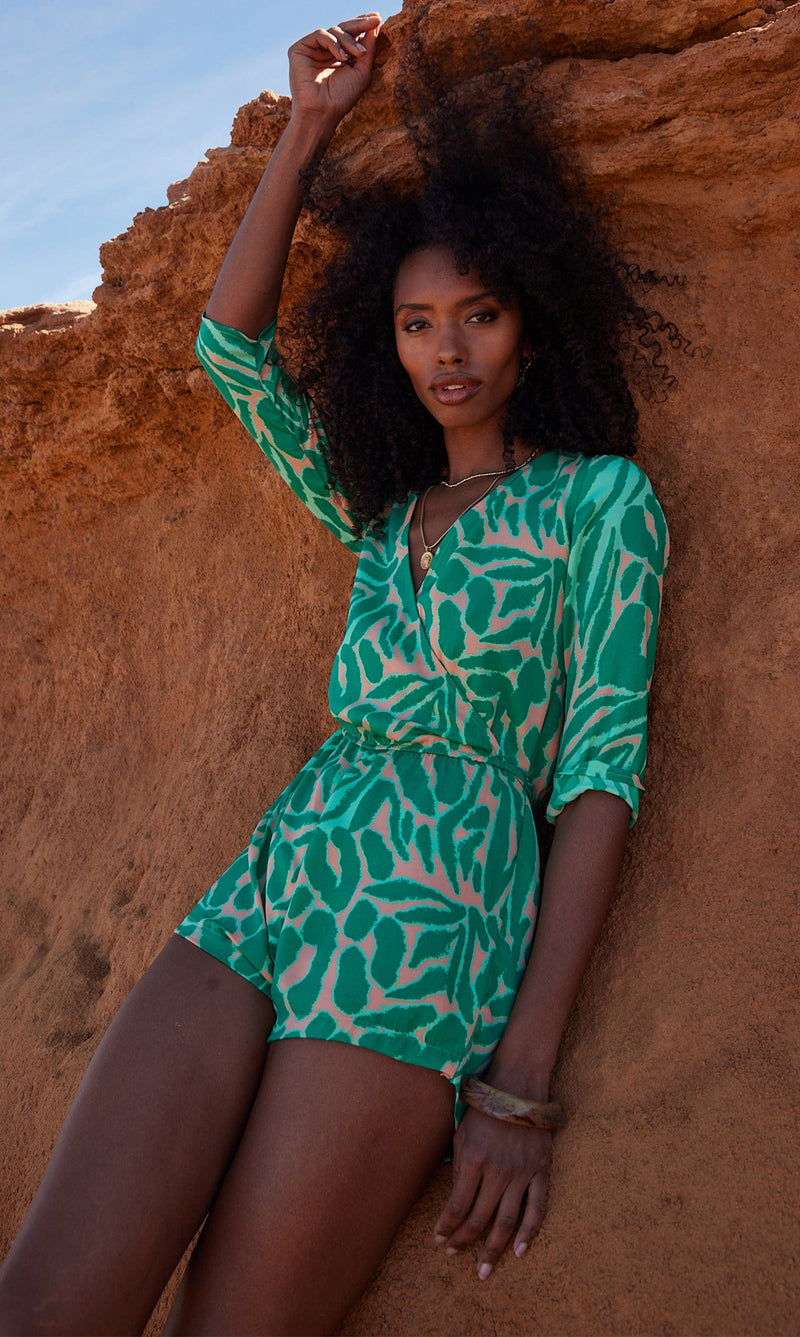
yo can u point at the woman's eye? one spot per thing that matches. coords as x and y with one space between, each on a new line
420 323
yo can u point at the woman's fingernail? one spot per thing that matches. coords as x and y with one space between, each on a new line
484 1271
521 1248
451 1251
360 47
440 1239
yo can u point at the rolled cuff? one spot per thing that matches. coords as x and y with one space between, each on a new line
261 347
568 785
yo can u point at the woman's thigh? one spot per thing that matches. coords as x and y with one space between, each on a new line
142 1152
338 1146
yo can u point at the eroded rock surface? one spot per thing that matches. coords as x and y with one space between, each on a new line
170 613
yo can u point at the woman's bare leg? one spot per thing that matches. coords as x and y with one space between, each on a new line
144 1147
339 1144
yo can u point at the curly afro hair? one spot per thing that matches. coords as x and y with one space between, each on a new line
493 191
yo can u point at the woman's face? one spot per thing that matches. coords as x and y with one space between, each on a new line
460 346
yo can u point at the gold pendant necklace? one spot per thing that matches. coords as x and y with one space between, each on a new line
427 555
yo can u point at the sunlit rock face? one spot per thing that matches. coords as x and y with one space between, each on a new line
170 612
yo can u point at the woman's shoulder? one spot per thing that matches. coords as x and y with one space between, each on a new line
600 474
612 493
603 481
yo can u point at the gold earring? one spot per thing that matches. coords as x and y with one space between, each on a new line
524 368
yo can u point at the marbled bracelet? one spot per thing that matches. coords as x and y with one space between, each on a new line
511 1109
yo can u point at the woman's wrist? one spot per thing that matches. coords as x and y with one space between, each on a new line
317 127
529 1083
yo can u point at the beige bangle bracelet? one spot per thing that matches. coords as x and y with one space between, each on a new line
511 1109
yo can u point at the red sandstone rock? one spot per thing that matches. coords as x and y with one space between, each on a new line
162 627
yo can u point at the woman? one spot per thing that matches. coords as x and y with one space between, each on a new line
498 653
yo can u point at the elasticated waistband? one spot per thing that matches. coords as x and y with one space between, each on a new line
371 744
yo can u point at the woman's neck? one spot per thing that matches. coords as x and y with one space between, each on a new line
471 451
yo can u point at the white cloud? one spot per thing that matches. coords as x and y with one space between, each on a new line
106 104
79 289
75 147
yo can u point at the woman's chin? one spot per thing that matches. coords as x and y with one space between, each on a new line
461 415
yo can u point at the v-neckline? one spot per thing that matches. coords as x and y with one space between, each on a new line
404 533
404 537
451 528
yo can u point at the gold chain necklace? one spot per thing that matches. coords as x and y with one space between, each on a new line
427 555
488 473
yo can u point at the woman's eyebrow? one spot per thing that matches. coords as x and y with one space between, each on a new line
426 306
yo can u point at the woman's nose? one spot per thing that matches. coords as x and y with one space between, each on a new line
451 348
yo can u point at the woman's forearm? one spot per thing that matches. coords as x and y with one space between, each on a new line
579 883
248 289
329 69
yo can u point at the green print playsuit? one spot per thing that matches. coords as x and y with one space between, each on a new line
388 896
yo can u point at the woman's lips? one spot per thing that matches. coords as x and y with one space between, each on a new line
456 393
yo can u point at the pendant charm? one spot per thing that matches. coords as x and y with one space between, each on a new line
426 559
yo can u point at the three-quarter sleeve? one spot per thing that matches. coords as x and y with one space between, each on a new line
277 415
612 599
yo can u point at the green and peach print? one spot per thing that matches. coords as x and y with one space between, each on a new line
388 896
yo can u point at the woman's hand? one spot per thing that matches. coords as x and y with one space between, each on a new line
324 87
501 1169
500 1174
330 68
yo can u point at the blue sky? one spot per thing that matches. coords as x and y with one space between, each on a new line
103 104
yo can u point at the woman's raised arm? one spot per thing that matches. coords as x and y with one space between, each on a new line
328 71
